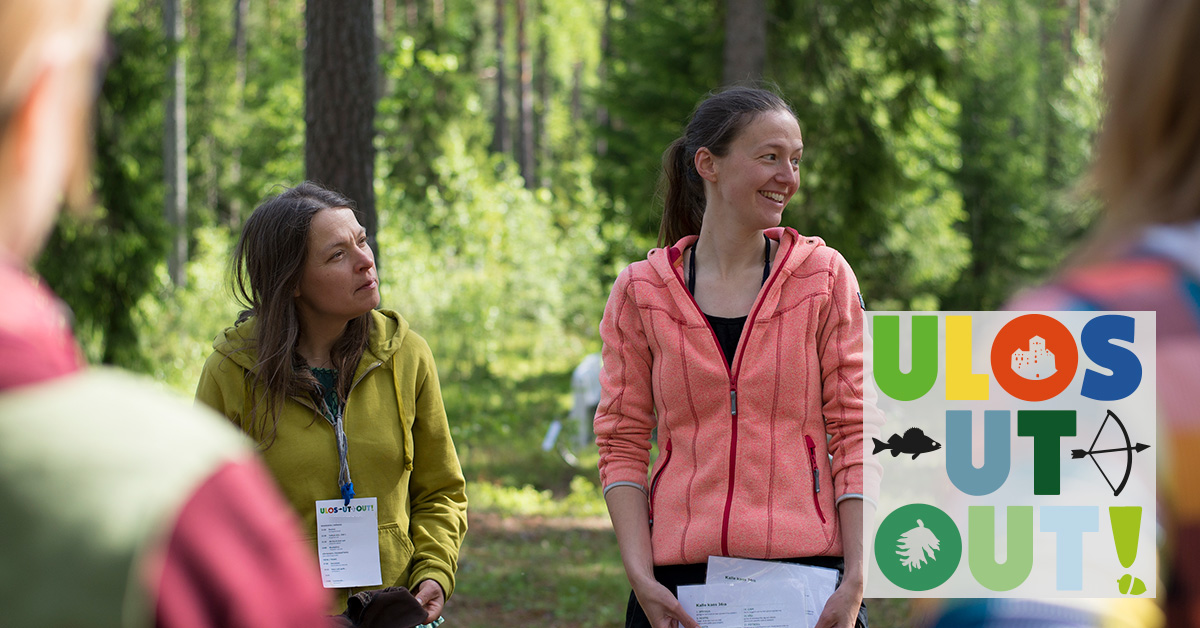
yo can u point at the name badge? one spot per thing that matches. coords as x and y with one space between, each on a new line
348 543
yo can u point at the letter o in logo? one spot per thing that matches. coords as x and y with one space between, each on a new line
1018 335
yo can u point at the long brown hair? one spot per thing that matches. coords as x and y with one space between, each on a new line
1147 166
267 266
714 124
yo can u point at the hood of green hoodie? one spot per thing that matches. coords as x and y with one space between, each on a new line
388 330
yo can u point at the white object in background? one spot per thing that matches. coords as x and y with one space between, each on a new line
585 396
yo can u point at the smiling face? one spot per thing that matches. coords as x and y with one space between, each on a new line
753 182
338 282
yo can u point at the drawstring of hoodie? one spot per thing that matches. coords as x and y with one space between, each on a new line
337 420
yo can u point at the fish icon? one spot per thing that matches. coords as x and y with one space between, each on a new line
913 442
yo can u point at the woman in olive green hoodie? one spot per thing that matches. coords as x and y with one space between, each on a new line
327 384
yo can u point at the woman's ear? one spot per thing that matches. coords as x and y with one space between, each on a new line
706 164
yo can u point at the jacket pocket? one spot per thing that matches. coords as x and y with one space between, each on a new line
816 475
395 555
658 476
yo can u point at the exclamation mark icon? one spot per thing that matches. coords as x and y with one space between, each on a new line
1126 526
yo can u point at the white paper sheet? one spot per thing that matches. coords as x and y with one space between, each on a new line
818 583
775 605
348 543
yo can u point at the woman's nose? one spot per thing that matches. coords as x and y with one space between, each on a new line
788 173
366 259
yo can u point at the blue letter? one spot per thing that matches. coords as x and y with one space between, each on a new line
997 448
1126 368
1069 523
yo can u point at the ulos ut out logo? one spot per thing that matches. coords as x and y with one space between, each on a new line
1017 454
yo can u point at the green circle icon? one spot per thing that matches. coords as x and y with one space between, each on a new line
918 547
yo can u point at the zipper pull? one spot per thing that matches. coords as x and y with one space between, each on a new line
733 401
812 457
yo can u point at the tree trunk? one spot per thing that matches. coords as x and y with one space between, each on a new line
340 69
745 40
540 144
525 155
175 146
240 10
501 134
1084 17
605 58
410 15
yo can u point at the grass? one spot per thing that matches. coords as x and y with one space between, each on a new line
532 558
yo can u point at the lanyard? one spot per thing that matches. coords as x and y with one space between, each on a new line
766 264
336 417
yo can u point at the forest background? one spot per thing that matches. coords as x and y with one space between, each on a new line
505 157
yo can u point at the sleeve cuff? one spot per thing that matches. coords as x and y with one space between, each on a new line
855 496
616 484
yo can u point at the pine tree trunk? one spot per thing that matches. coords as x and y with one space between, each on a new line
602 122
542 112
240 10
1084 17
745 40
175 146
501 134
340 77
525 151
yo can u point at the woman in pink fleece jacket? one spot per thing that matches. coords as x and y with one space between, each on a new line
741 342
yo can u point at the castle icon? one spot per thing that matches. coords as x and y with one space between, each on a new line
1036 363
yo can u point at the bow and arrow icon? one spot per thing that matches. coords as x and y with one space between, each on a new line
1129 450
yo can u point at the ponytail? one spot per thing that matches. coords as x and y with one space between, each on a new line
682 191
715 123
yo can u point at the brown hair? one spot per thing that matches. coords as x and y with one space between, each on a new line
1147 166
267 266
714 124
25 30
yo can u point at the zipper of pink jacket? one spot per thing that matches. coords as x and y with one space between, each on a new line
732 373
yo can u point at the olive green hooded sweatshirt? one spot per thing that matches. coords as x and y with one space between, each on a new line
400 450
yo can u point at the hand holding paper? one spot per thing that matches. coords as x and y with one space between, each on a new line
661 608
841 609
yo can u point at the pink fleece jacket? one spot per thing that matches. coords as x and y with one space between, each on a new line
744 467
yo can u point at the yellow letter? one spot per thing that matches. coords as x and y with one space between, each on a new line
961 383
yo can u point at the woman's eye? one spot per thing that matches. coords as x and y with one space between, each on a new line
769 157
796 162
336 255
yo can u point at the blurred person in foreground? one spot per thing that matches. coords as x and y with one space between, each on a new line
121 506
1143 255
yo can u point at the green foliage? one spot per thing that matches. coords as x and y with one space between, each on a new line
942 139
584 500
104 263
179 324
667 55
1029 107
872 179
499 279
864 82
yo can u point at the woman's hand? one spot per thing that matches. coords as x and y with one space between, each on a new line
841 609
429 593
661 608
